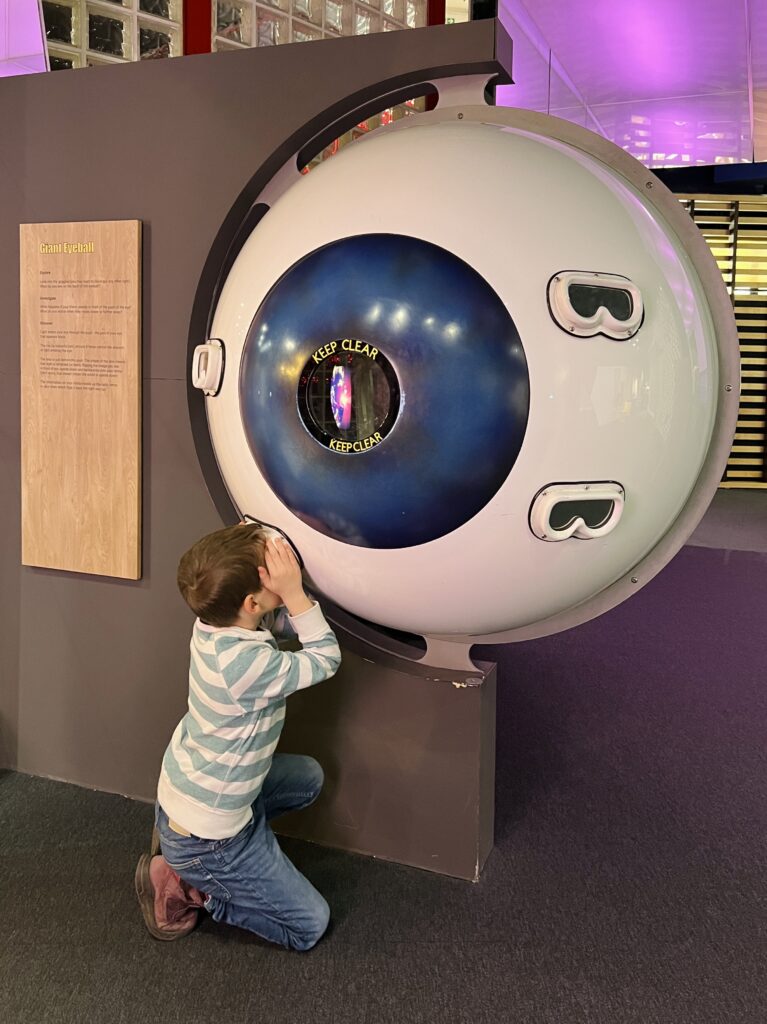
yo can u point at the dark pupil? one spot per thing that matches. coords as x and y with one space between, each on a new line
594 513
587 298
349 389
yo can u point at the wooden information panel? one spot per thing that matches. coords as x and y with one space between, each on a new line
81 397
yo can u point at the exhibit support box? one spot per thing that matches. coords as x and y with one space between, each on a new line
409 760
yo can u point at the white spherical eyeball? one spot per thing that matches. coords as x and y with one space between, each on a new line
472 372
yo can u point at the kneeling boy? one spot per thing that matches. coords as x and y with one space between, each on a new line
221 782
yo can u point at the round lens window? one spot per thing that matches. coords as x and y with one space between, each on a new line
348 396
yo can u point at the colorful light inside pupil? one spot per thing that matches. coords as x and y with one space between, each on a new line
341 397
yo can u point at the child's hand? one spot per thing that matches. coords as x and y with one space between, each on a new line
282 575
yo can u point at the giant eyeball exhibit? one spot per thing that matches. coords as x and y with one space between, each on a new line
481 408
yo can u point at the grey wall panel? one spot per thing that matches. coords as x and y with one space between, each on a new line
15 133
10 530
409 764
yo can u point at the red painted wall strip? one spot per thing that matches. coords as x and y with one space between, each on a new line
435 14
198 25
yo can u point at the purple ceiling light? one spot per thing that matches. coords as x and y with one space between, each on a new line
22 38
672 83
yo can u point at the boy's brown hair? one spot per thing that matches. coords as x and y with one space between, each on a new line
218 572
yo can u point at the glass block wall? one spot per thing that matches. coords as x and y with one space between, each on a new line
84 33
456 11
240 23
237 24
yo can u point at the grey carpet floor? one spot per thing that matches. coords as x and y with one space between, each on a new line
627 886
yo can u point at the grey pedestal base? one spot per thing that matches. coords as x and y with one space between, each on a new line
409 760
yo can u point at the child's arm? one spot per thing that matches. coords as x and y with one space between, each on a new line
260 674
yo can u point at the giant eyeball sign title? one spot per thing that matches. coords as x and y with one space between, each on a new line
479 413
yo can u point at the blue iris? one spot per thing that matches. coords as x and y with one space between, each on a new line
464 390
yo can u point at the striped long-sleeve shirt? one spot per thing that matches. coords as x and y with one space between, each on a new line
222 748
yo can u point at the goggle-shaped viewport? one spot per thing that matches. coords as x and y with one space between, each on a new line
584 303
583 510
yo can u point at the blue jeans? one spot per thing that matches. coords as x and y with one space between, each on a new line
248 880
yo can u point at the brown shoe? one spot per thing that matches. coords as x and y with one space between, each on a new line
170 906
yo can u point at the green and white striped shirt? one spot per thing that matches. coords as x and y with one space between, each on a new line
222 748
